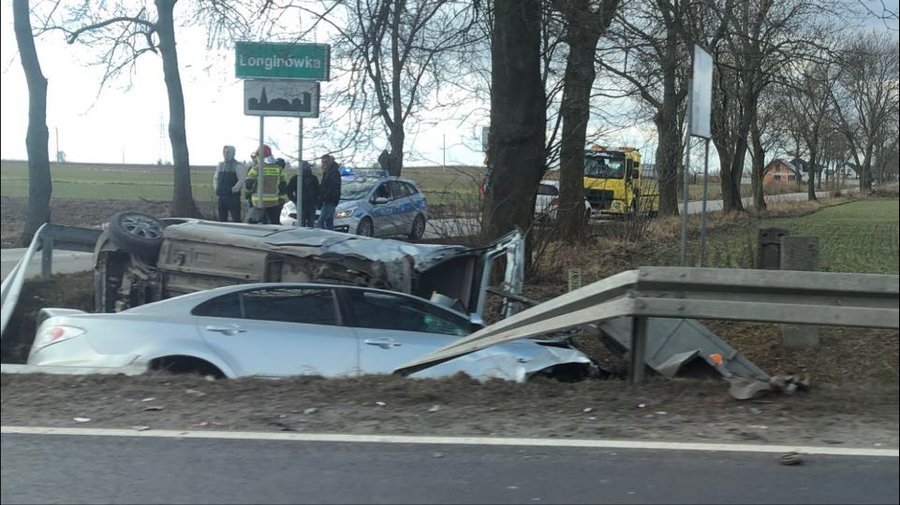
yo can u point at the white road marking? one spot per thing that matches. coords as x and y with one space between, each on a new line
431 440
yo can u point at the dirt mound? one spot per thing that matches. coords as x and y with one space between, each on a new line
71 212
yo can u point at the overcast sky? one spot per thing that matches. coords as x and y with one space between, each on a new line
127 121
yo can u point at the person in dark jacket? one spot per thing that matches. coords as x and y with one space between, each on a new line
310 195
329 192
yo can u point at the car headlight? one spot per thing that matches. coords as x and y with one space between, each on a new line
345 213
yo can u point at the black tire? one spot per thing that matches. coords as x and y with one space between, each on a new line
418 228
365 228
136 233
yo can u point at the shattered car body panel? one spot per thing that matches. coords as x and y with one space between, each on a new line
195 255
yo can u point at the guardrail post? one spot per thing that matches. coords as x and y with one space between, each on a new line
638 350
799 253
46 255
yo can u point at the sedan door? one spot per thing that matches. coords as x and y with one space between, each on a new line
393 328
383 213
403 206
279 331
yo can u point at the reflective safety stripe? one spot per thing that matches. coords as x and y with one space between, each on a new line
267 187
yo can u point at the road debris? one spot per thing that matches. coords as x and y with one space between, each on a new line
151 408
81 419
310 410
790 458
434 408
140 428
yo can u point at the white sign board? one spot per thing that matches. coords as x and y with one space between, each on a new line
281 97
701 93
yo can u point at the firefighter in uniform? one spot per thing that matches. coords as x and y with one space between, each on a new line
266 184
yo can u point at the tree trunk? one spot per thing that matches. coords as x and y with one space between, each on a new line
183 204
518 116
575 112
865 173
759 163
36 140
811 182
670 149
397 138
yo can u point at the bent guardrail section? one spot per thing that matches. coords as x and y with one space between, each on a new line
783 296
12 285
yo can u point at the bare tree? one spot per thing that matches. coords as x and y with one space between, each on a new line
125 30
398 57
646 51
37 137
866 97
762 37
518 116
808 89
585 22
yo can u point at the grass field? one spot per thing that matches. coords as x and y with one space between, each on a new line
152 182
860 236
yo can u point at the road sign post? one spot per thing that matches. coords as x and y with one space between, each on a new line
283 81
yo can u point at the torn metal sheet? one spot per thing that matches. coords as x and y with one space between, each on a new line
499 363
673 343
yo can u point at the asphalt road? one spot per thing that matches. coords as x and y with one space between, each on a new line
64 262
92 469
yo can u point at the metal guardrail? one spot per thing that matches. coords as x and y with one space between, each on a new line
770 296
68 238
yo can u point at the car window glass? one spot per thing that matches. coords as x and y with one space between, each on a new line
412 190
383 192
356 189
290 305
221 306
399 189
548 189
385 311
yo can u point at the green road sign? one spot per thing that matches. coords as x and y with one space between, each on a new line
282 61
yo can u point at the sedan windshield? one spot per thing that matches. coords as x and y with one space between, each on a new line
356 189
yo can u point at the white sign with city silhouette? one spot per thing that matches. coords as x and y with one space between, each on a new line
288 97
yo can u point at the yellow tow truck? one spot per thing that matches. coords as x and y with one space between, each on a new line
615 182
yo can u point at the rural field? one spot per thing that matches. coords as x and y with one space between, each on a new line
154 182
858 236
441 185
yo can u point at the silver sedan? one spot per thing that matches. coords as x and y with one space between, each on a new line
285 329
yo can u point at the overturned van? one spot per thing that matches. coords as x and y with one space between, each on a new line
139 259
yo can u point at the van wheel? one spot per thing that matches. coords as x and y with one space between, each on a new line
365 227
136 233
418 227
